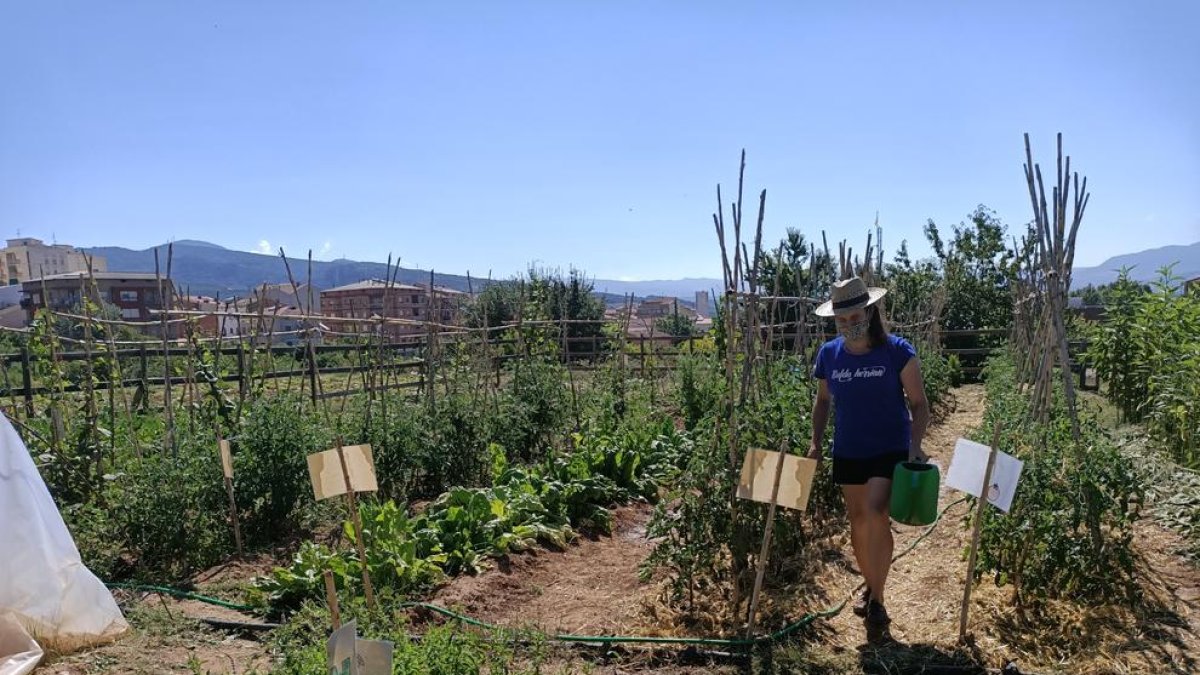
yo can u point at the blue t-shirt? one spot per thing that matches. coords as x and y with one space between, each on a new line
870 415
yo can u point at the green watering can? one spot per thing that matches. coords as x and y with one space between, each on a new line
915 493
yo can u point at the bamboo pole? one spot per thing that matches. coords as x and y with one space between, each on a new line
356 519
980 512
764 552
168 401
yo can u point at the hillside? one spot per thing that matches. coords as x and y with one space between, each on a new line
1144 265
201 268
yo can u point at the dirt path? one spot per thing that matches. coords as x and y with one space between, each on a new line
591 588
924 587
924 597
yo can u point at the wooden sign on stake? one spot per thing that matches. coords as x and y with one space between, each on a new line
799 485
759 478
328 471
227 470
979 511
356 471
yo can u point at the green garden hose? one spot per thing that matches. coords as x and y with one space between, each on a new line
178 593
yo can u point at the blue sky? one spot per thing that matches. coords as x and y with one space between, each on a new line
484 136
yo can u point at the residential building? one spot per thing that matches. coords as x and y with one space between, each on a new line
28 258
375 298
135 295
272 295
653 308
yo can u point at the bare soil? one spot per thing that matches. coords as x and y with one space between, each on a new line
590 588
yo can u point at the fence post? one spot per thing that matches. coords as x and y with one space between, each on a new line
312 369
241 369
27 381
145 384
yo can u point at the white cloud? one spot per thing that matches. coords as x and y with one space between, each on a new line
326 248
264 247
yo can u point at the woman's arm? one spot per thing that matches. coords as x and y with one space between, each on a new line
918 405
820 418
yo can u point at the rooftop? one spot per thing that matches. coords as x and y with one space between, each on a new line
367 284
99 276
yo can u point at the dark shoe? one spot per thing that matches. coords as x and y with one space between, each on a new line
877 615
860 607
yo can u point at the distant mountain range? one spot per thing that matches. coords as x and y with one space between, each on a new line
202 268
1144 265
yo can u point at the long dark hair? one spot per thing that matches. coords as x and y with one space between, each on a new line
876 333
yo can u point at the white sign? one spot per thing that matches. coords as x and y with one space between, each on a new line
969 466
350 656
758 478
340 651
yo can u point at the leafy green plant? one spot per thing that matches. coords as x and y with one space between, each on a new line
1147 352
1069 533
271 474
459 530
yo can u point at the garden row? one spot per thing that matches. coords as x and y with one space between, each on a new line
1147 351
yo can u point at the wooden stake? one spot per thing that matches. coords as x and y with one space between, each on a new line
764 552
227 472
355 518
332 601
979 513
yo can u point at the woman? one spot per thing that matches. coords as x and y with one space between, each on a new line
866 374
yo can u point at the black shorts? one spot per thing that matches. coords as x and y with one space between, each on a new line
859 471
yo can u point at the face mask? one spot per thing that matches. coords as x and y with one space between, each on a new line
855 331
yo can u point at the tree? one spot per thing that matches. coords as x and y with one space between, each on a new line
910 286
976 268
676 325
542 295
795 273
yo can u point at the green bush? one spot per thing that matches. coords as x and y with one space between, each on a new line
1147 352
704 535
532 409
700 385
1069 533
939 373
270 466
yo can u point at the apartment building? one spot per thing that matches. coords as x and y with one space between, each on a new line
373 298
28 258
135 295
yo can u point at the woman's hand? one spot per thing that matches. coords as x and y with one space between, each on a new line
815 452
915 454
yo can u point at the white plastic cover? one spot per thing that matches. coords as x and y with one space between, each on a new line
19 654
43 583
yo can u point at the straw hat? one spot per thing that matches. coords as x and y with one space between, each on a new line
849 295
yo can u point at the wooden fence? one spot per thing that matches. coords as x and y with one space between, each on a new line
649 353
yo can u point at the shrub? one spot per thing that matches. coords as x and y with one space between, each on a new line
270 468
1147 351
1069 533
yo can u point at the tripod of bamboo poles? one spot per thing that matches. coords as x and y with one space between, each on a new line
1042 281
